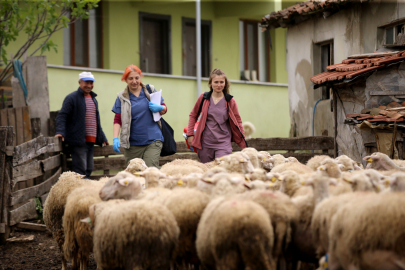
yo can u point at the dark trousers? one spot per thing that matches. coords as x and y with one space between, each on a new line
82 159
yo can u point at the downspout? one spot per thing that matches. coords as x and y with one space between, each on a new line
313 119
198 41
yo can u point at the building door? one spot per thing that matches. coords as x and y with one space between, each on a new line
190 48
155 57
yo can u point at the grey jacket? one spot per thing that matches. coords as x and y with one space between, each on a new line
126 115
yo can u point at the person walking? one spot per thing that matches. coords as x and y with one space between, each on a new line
141 136
220 122
78 124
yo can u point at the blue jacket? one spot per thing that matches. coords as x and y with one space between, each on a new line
70 122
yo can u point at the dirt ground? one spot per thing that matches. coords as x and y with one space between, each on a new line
40 254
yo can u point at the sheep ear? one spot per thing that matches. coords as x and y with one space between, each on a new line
125 182
86 220
341 166
248 185
139 174
207 180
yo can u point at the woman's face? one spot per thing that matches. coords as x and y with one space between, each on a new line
134 81
218 83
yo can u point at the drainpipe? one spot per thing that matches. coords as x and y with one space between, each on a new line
313 119
198 41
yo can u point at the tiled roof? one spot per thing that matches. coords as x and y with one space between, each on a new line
393 112
304 11
352 67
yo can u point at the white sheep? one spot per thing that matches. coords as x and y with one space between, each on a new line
136 165
371 223
380 161
253 155
133 235
233 233
152 176
78 236
249 129
237 162
54 207
293 166
316 161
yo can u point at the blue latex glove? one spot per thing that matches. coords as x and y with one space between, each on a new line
116 145
155 107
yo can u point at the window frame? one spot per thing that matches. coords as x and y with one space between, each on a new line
267 51
72 37
160 17
393 24
184 21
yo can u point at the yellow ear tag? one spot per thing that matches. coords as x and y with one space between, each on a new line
387 182
370 160
136 174
247 178
126 182
241 160
270 184
377 189
273 179
303 183
180 182
321 168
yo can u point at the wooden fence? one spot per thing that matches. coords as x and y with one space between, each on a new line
37 165
105 159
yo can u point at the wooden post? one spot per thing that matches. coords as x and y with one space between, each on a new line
335 150
35 127
325 133
52 123
6 139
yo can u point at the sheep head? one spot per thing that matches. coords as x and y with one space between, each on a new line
124 185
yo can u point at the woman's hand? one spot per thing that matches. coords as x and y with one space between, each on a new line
190 140
116 145
155 107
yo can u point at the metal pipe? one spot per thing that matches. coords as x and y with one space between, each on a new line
198 41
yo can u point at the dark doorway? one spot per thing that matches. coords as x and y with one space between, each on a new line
155 43
190 48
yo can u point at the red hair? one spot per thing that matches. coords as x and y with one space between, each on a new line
130 69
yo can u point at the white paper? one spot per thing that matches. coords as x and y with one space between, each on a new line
156 98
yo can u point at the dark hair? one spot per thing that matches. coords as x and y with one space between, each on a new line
218 72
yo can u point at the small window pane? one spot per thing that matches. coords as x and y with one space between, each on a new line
389 36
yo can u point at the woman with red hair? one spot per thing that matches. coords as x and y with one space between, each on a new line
141 136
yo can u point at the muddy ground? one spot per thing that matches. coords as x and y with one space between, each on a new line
40 254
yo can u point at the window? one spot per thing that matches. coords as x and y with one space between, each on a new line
82 41
323 57
190 48
254 52
393 33
155 43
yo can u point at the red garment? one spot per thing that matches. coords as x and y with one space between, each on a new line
117 117
238 134
90 119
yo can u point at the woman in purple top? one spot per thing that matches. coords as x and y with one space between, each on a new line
218 129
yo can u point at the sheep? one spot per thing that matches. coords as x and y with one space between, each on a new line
316 161
282 213
257 174
397 182
124 185
190 181
237 162
212 164
152 176
239 235
380 161
78 236
291 184
54 207
249 129
276 179
186 205
183 167
253 156
259 184
370 224
266 161
330 168
277 159
294 166
347 163
133 235
231 183
136 165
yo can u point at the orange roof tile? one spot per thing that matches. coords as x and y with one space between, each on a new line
352 67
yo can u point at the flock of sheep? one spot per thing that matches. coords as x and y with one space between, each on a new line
247 210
